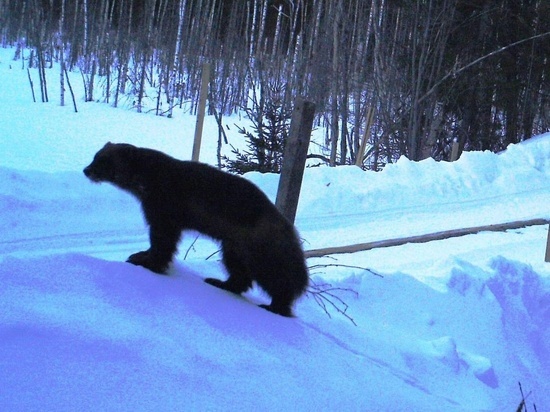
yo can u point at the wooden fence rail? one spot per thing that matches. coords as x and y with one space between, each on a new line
429 237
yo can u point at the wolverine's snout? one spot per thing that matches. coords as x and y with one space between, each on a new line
90 174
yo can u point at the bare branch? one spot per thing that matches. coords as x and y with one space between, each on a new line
479 60
192 246
325 295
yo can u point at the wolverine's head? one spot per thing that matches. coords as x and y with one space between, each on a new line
111 164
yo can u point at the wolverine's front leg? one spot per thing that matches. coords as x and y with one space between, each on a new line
164 243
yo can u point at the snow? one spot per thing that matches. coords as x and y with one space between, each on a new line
451 325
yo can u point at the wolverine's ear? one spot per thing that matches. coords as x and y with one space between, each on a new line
108 144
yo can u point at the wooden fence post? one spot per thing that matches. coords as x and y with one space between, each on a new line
294 160
201 111
363 147
547 257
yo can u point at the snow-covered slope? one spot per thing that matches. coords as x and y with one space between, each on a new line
451 325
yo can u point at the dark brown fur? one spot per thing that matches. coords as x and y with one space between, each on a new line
258 243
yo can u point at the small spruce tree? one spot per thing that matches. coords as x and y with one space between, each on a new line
265 140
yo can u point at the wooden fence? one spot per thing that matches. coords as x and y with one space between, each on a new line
430 237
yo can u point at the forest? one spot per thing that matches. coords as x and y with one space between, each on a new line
409 77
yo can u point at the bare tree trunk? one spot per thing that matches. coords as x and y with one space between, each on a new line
85 41
42 73
277 36
61 45
334 129
172 86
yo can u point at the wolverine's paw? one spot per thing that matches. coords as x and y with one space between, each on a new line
144 259
283 311
138 258
216 282
229 286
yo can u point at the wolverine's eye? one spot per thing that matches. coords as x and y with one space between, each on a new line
101 161
101 168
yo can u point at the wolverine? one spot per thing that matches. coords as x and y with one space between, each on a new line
258 243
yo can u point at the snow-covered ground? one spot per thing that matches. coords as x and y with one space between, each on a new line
452 325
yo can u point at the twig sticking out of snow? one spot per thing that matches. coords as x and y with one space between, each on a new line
522 407
326 297
192 247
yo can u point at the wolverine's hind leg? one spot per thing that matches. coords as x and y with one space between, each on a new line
280 306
